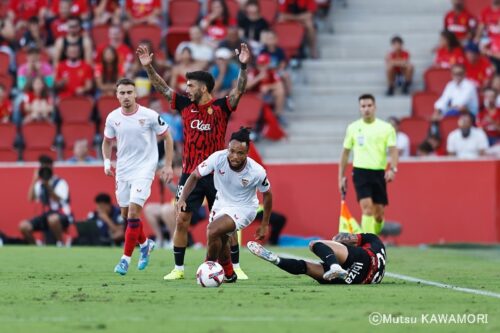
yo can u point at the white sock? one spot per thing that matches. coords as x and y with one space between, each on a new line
127 258
277 261
180 268
144 244
236 266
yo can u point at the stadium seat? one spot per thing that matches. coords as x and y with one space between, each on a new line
74 132
106 104
423 104
68 152
175 36
100 35
4 63
7 136
30 155
145 32
447 125
416 129
8 155
248 111
183 13
39 135
269 10
6 81
475 7
75 109
436 79
290 37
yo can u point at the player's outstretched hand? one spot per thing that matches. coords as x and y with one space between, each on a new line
244 54
180 206
145 57
166 174
261 232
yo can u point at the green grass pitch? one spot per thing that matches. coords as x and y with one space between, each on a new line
46 289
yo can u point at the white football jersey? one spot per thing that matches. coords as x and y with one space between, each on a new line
135 134
235 188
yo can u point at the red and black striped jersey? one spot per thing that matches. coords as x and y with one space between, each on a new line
204 128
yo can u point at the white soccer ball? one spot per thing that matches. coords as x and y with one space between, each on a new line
210 274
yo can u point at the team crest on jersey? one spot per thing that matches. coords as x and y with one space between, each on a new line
244 182
142 122
210 110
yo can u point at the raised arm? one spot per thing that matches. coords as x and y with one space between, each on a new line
157 81
237 92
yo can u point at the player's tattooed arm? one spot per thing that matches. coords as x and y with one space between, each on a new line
236 93
157 81
346 238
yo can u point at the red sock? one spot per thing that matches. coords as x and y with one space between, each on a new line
131 236
228 268
142 236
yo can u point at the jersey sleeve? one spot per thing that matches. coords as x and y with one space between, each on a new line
62 190
366 239
391 137
224 104
109 130
159 125
208 166
179 102
264 185
349 139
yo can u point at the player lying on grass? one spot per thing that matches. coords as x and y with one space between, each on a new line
347 259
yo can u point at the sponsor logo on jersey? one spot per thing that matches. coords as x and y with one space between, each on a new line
139 190
244 182
210 110
117 123
193 110
200 125
142 122
236 217
222 172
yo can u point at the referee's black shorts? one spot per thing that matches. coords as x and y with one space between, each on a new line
370 184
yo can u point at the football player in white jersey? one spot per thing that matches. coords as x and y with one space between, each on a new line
135 129
237 179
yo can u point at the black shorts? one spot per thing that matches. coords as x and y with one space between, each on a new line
40 223
204 188
357 264
370 184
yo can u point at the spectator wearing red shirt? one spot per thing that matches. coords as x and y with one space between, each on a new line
116 40
143 11
5 106
107 71
106 12
460 22
477 67
59 26
449 51
489 25
73 76
37 102
489 116
78 8
73 37
217 21
268 83
301 11
20 11
398 66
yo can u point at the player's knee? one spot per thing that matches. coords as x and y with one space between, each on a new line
53 220
182 222
213 231
25 226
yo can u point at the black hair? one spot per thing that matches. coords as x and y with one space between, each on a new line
125 81
103 198
367 96
242 135
394 119
45 160
110 70
451 39
225 12
426 147
33 20
397 39
204 77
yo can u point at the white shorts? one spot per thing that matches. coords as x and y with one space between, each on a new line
242 216
135 191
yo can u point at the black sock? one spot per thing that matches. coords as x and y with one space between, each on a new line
293 266
325 253
235 254
179 253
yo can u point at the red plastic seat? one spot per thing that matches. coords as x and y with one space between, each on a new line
269 10
416 129
74 132
30 155
7 136
139 33
447 125
290 37
105 105
175 36
75 109
6 81
99 35
183 13
436 79
423 104
475 7
4 63
39 135
248 111
8 155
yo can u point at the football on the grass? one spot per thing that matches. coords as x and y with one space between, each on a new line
210 274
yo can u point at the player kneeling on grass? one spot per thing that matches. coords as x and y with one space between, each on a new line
237 179
347 259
